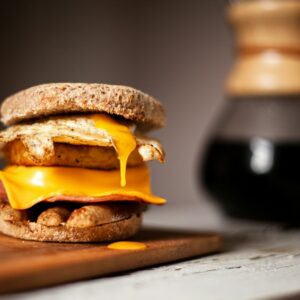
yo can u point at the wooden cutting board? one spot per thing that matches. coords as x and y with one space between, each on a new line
26 264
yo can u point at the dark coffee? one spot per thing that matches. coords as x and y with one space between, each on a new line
256 178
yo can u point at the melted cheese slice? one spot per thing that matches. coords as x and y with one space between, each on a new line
27 186
123 140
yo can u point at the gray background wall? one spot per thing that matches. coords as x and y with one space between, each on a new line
178 51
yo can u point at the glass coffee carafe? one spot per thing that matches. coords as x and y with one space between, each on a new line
252 162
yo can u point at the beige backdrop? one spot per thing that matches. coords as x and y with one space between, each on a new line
178 51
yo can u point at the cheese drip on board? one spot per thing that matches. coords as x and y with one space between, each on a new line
125 245
27 186
123 140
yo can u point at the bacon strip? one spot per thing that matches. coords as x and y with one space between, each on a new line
79 199
3 195
82 199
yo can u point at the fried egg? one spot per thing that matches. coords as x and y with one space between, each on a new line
39 137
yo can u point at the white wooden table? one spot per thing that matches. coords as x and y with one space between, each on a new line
259 261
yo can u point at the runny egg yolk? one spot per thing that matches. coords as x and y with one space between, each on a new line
123 140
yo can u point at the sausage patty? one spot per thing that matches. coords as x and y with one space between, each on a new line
70 155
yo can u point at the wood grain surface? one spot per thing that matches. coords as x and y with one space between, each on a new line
27 264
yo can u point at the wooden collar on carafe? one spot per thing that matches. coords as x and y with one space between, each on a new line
267 58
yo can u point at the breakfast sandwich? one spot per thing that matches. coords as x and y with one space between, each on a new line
76 158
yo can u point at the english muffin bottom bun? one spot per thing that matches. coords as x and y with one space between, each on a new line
76 158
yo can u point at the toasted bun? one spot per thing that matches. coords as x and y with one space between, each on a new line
60 98
38 232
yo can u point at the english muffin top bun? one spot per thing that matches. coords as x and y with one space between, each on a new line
60 98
